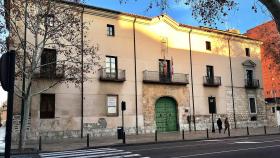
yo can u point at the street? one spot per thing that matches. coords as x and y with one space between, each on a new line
255 147
246 147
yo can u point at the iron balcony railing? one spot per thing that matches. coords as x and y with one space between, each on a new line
49 72
214 81
118 76
156 77
253 83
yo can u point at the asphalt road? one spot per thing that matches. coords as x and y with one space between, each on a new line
246 147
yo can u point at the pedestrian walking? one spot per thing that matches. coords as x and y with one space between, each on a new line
226 125
220 124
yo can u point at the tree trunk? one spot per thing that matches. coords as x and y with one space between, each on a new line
27 104
274 7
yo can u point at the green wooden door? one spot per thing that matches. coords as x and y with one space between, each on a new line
166 115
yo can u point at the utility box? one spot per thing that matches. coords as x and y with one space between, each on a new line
120 132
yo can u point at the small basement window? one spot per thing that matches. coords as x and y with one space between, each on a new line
254 118
273 109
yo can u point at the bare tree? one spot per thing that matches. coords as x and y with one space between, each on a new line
52 24
211 11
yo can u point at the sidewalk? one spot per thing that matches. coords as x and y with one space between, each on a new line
78 143
2 139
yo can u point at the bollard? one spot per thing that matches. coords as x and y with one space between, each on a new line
124 141
229 132
264 129
207 133
156 136
248 131
183 135
40 143
87 140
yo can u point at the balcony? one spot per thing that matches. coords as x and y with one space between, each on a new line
57 72
119 76
252 84
212 81
156 77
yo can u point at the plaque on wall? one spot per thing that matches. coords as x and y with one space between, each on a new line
112 105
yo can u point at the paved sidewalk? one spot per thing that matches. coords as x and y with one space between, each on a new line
2 139
78 143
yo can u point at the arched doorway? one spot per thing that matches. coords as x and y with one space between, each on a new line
166 114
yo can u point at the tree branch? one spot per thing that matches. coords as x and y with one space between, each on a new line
273 6
49 87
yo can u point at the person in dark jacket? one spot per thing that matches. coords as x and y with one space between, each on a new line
226 125
220 124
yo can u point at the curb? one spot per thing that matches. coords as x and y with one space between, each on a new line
161 142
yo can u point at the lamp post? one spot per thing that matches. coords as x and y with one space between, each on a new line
212 110
213 127
123 109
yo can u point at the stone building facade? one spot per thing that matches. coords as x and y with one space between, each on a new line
169 74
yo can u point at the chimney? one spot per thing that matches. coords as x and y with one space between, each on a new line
234 31
76 1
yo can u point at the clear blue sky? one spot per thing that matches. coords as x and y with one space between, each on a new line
243 19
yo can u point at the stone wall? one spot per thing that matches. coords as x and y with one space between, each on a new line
271 117
242 113
152 92
17 123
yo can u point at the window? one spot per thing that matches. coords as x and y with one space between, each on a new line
110 30
254 118
50 20
48 63
112 105
208 45
249 76
210 71
164 70
273 109
111 67
47 106
252 104
247 50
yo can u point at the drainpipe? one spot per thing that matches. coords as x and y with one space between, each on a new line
231 80
190 45
135 74
82 73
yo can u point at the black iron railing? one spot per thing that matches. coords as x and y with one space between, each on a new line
214 81
252 83
117 76
157 77
50 72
